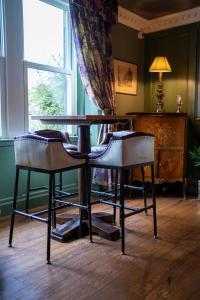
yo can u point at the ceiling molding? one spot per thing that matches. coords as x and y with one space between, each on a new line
143 25
128 18
174 20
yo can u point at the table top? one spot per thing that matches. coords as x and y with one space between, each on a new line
83 119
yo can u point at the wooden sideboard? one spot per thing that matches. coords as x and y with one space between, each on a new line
170 130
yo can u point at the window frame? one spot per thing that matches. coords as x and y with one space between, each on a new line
70 64
2 74
2 52
13 68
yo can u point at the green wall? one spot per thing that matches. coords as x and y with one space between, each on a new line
6 175
181 46
127 47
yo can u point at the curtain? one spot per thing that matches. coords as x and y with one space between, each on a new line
91 24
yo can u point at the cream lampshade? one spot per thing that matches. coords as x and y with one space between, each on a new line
160 65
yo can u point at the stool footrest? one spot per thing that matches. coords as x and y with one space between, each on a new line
65 194
108 203
66 203
137 210
109 194
133 187
31 216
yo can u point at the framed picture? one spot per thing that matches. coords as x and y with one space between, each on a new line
125 77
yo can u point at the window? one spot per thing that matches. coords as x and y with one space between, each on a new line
37 64
49 62
2 70
1 30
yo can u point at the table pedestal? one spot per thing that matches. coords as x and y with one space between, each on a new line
70 227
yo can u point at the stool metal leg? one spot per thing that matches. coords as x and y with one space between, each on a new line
60 181
144 192
81 212
53 203
122 210
51 190
88 182
28 190
115 199
14 207
154 201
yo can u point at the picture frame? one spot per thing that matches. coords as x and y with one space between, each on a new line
125 74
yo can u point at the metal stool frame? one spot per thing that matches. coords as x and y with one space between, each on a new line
122 206
51 210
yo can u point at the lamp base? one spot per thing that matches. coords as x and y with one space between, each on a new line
160 107
160 94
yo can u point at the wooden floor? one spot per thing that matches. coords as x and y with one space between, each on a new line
167 268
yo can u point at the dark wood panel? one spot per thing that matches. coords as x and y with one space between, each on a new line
171 165
170 132
166 129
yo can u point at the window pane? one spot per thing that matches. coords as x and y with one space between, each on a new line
43 33
47 95
2 91
2 69
1 30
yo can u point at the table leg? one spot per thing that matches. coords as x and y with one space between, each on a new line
74 226
83 147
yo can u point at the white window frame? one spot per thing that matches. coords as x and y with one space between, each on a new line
13 69
2 98
1 29
70 69
2 75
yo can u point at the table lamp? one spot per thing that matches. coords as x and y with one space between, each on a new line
159 65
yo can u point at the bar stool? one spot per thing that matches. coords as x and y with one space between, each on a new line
113 192
46 155
127 150
65 139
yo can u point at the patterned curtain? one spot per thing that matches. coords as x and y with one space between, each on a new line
91 23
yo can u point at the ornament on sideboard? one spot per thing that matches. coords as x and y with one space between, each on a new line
179 103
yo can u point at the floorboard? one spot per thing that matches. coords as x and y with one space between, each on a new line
166 268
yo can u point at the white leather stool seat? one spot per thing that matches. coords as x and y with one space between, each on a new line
38 152
99 149
125 148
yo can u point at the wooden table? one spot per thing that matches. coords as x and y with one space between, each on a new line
84 122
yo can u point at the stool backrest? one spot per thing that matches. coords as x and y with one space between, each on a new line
33 151
51 133
127 148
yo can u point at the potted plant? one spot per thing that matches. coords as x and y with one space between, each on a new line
195 157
